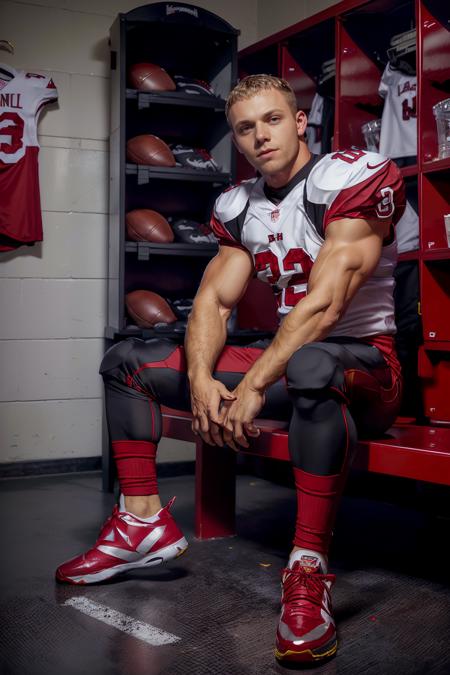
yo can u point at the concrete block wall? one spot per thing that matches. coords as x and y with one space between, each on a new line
53 295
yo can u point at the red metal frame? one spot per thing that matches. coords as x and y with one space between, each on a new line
329 13
357 98
435 200
434 368
303 86
434 60
357 101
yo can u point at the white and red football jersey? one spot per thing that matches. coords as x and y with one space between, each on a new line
284 238
22 96
407 230
314 128
398 135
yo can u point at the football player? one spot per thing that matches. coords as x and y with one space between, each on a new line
320 231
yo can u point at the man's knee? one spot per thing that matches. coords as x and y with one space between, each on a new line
311 368
127 357
116 357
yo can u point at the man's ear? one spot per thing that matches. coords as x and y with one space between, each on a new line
235 143
301 121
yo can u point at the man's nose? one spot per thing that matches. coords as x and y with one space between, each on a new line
261 132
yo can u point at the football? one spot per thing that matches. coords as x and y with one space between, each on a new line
150 77
149 150
148 225
147 308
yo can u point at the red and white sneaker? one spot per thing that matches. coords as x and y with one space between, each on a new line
125 543
306 630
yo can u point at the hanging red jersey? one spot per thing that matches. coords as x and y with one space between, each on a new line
22 96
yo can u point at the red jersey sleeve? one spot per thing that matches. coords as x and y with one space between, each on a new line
357 184
224 237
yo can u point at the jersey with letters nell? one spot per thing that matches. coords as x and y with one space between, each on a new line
22 96
284 229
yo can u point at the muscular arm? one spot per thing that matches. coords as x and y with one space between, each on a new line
223 284
348 257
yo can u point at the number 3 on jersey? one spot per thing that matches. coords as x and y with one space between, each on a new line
267 261
11 125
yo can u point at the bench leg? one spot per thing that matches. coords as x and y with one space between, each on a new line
215 491
108 466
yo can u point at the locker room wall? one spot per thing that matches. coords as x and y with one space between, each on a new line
287 12
53 295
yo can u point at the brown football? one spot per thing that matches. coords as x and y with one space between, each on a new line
150 77
150 150
148 225
147 308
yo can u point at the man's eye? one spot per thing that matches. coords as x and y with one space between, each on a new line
244 129
275 118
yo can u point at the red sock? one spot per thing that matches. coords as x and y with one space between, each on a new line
136 467
317 502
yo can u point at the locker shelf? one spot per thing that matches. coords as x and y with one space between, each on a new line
146 99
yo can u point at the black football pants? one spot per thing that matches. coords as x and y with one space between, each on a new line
333 390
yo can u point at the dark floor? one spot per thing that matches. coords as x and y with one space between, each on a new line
391 599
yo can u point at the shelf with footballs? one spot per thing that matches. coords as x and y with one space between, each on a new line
146 99
149 232
150 157
152 84
152 315
144 250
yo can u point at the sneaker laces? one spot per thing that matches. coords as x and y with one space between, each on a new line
304 591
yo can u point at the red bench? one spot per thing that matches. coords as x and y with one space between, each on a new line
406 450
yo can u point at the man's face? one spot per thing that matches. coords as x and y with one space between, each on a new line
266 131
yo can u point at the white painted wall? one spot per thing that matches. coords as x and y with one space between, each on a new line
53 295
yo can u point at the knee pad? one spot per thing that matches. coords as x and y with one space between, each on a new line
313 369
126 357
115 356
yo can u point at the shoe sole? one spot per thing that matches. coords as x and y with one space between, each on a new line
151 560
308 655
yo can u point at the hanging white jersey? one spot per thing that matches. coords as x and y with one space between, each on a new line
22 96
398 136
284 239
314 128
407 230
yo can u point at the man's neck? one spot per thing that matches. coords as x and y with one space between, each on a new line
281 178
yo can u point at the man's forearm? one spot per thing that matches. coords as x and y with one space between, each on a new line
205 337
307 323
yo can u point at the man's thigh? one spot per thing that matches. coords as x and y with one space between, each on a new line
235 362
158 368
372 389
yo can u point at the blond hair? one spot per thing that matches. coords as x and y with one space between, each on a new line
253 84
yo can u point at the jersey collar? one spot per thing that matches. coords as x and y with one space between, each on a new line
276 195
7 72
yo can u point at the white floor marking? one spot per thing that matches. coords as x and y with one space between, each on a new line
138 629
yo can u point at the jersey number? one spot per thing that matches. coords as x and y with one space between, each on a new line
14 131
407 110
385 207
349 156
267 259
